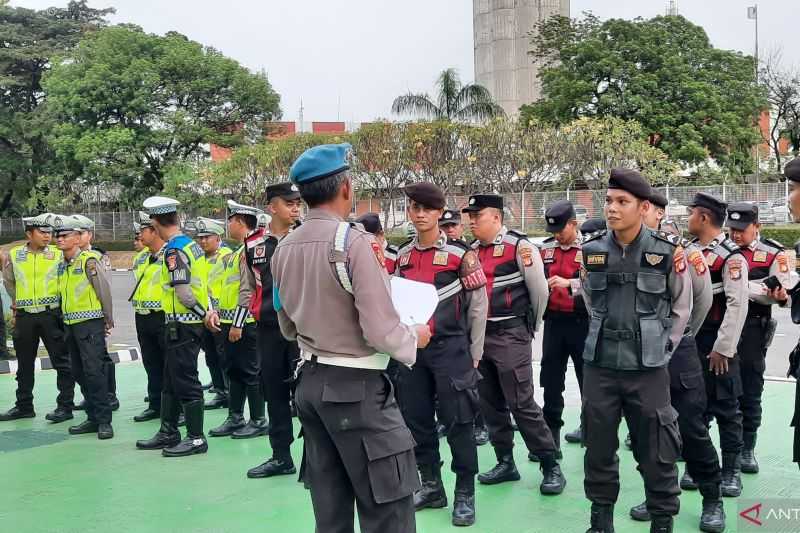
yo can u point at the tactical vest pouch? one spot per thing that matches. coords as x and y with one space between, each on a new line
592 337
655 340
598 289
650 292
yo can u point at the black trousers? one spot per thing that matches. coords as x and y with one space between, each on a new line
752 356
564 338
688 394
723 394
279 359
358 450
48 327
152 341
244 363
443 371
642 396
507 387
180 378
86 342
3 347
215 359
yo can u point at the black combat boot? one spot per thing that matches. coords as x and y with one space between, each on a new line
258 425
731 476
553 481
661 524
602 519
235 418
575 437
712 519
219 401
640 512
278 465
504 470
87 426
687 483
195 441
168 434
431 495
749 462
15 413
464 502
147 414
60 414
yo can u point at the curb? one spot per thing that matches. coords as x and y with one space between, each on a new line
43 363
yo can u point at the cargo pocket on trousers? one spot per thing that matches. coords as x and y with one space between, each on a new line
523 390
346 398
669 437
392 467
302 473
466 396
691 380
728 386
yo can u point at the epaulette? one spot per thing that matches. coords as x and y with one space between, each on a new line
475 242
518 234
663 236
550 242
729 245
549 239
459 243
392 248
594 236
773 243
685 243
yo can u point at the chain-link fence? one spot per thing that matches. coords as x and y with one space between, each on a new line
524 210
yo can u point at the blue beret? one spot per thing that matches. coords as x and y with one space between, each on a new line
320 162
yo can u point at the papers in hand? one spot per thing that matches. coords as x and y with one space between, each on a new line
415 302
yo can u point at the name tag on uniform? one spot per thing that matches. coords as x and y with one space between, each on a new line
404 259
760 257
549 253
711 258
499 250
579 257
596 259
440 258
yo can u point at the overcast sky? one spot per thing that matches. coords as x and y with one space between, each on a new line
348 59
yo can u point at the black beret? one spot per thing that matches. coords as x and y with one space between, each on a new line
481 201
558 214
630 181
371 222
592 225
792 170
707 201
742 214
286 190
426 194
659 200
450 217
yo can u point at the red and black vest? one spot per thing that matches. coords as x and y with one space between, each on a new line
259 248
567 264
717 254
505 283
759 262
439 266
390 258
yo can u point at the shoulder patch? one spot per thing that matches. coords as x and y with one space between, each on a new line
735 269
663 236
526 254
679 260
378 251
518 234
697 260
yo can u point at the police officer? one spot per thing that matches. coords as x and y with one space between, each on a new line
278 355
719 335
451 225
636 288
765 259
565 320
517 291
208 235
30 275
357 446
372 223
87 313
447 368
792 173
149 316
138 247
687 390
184 301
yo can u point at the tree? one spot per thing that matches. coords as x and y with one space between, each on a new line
131 104
783 94
454 102
693 100
30 39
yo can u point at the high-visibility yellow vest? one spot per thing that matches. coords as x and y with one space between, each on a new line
230 288
149 291
79 302
36 276
216 267
139 260
198 268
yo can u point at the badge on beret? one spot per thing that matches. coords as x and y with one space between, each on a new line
679 260
440 258
711 258
579 257
527 256
499 250
472 201
378 254
783 263
448 215
549 253
551 220
698 262
653 259
735 216
735 269
760 256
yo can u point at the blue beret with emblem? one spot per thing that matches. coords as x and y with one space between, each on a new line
320 162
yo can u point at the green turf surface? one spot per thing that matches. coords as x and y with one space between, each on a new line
59 483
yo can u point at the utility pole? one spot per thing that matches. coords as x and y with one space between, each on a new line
300 115
672 8
752 14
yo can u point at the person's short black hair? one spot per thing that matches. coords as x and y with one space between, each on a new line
716 219
322 191
166 219
251 221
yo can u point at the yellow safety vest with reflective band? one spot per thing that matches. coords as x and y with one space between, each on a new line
36 276
230 288
198 282
79 302
216 267
139 261
148 278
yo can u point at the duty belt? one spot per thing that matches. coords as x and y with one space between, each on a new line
378 361
38 309
493 326
620 334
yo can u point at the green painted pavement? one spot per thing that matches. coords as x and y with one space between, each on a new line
55 482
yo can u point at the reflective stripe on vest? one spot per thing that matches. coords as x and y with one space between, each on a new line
172 306
230 283
78 299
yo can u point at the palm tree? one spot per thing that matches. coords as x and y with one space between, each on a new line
455 101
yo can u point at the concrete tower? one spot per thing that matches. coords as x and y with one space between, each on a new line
502 63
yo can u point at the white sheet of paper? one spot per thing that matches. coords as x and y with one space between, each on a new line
415 302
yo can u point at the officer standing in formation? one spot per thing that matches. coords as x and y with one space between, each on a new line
639 296
184 301
792 173
719 335
447 368
87 313
372 223
517 291
146 300
278 356
687 390
357 445
30 275
208 234
765 258
565 320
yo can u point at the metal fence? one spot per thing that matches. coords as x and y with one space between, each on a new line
523 210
